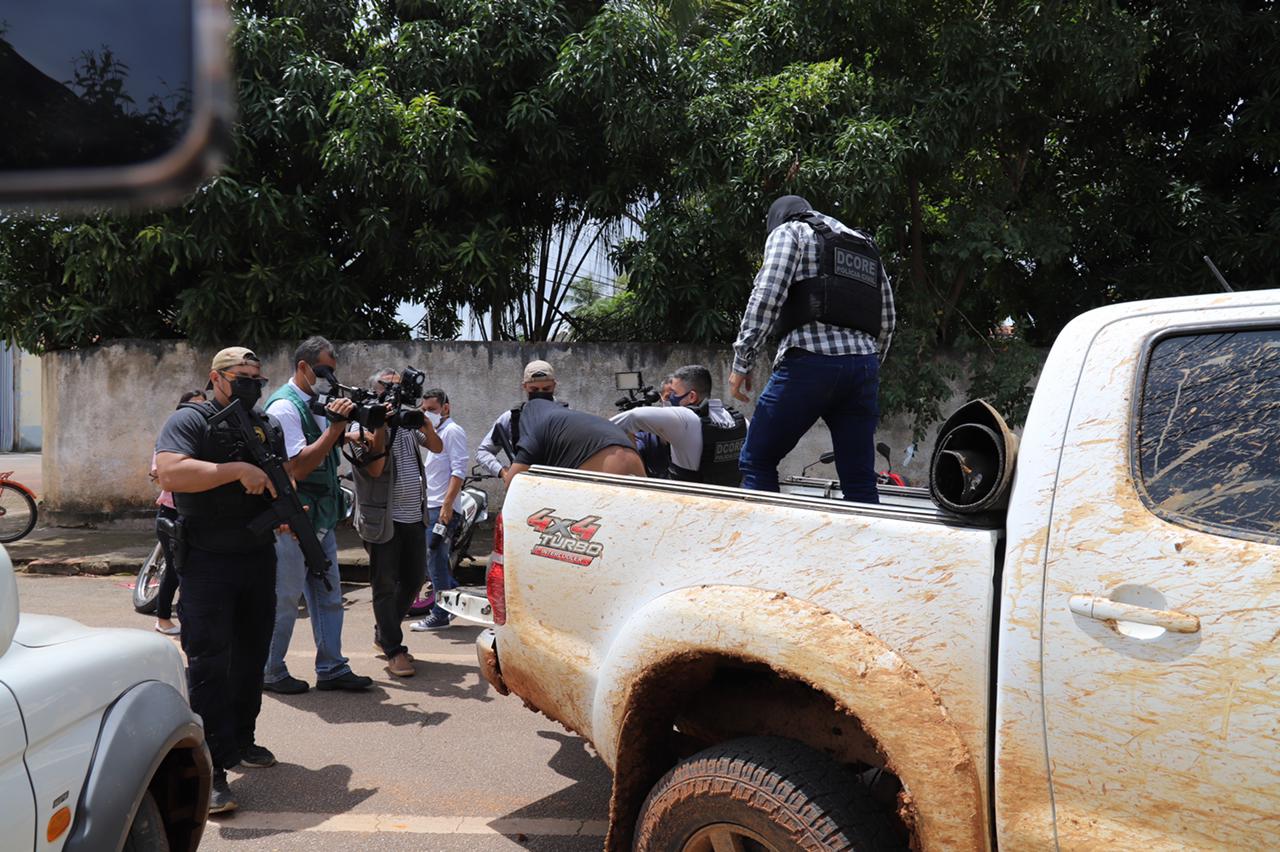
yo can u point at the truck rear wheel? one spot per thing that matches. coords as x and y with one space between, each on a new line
758 794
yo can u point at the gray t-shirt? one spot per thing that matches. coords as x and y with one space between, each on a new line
553 435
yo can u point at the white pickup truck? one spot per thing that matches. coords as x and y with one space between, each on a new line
1096 667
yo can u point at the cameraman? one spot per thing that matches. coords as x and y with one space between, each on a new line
391 517
312 448
228 572
539 383
704 435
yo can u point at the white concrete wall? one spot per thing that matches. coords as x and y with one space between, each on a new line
104 406
29 394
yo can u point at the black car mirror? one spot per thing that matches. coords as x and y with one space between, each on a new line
124 103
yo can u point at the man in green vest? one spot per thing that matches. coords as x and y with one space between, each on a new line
313 463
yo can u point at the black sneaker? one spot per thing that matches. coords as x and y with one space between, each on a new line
431 622
286 686
220 801
347 680
257 757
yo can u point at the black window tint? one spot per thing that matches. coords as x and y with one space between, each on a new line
1209 431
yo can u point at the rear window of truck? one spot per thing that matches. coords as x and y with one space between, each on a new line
1208 437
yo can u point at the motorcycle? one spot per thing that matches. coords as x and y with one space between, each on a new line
803 484
147 585
473 508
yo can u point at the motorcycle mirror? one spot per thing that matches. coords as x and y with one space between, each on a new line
827 457
883 449
124 104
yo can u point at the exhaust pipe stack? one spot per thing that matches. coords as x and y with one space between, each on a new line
971 471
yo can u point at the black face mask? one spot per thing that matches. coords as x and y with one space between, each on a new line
548 395
248 391
784 209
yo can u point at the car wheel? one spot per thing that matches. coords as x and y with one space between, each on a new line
146 833
762 794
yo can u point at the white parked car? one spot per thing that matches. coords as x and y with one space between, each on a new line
99 749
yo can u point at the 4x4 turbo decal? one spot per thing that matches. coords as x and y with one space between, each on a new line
566 539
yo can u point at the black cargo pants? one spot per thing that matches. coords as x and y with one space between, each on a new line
228 610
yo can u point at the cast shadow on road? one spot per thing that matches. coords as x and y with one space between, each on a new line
294 792
438 679
376 704
589 794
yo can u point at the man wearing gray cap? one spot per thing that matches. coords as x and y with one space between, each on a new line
539 382
228 572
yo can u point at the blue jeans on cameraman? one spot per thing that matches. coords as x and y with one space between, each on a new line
323 605
438 560
842 390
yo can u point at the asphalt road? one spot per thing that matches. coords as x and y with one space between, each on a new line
438 761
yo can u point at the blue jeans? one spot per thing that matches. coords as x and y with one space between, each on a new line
844 391
324 606
438 560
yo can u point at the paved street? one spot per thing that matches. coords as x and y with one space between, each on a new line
434 762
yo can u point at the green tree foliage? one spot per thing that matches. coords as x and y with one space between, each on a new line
1021 159
1013 158
384 151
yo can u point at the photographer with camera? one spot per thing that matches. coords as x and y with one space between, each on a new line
705 436
539 382
311 441
391 508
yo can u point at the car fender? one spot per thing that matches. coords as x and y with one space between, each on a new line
139 729
806 642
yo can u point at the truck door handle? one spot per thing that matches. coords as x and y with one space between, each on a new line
1104 609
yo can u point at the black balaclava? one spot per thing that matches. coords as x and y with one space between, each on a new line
784 208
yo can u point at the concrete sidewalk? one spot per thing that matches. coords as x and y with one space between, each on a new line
73 550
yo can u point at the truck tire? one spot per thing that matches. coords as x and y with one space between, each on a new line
146 832
762 793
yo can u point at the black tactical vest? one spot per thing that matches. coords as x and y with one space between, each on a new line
720 448
217 519
846 290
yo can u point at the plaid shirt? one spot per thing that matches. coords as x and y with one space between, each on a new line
791 254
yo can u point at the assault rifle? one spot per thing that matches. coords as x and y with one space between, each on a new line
286 508
503 440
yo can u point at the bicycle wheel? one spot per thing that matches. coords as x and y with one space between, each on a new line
150 575
17 512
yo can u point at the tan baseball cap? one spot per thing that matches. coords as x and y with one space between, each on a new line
536 371
234 356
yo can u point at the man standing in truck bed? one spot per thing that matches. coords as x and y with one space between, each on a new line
823 289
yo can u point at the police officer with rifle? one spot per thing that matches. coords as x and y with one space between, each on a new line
223 461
